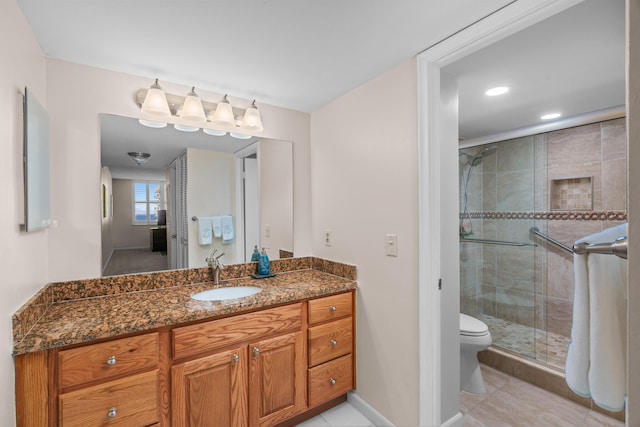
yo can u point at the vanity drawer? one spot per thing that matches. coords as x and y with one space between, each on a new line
330 308
330 380
130 401
331 340
107 360
210 336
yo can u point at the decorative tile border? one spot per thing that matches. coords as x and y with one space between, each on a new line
26 317
553 215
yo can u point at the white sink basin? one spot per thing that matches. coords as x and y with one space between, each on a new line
222 294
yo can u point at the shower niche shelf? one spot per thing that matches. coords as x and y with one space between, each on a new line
572 194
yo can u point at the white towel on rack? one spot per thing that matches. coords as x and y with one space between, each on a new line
204 230
217 226
227 229
596 359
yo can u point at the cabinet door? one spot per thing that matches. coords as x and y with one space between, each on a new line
211 391
277 383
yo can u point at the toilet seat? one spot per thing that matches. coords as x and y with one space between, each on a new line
472 327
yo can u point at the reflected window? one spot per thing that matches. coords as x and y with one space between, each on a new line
148 198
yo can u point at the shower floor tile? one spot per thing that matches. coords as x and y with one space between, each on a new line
546 347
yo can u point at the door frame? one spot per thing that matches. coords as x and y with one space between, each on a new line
436 202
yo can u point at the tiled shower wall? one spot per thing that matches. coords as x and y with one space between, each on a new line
538 181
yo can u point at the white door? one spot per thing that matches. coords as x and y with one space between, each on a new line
251 207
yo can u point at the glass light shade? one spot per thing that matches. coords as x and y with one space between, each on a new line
185 128
139 157
251 119
152 123
214 132
155 102
192 108
239 135
223 115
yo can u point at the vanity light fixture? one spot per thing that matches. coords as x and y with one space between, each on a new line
155 103
550 116
190 113
139 157
223 115
500 90
239 135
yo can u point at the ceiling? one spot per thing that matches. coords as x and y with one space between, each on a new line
301 54
572 63
298 54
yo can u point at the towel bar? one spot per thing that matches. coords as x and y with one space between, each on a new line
618 247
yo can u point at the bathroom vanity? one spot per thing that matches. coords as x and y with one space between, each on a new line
160 358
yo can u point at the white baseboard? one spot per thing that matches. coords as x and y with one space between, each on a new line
456 421
368 411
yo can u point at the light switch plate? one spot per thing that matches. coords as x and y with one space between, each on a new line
391 245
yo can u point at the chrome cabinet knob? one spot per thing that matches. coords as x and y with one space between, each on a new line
112 413
256 351
235 358
333 308
333 343
332 381
111 360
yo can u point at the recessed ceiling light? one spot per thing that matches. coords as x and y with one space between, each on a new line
495 91
550 116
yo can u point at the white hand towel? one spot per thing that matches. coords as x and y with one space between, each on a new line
204 230
217 226
596 359
227 229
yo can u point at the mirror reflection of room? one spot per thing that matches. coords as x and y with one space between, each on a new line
169 196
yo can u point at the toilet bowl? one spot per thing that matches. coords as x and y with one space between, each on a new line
474 337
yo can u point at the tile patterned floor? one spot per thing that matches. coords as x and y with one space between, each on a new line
547 347
510 402
343 415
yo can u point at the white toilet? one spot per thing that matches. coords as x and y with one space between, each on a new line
474 337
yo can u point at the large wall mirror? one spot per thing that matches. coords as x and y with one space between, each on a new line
170 198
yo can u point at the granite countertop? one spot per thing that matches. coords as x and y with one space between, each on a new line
88 319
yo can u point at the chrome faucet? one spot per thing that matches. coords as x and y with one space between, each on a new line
215 263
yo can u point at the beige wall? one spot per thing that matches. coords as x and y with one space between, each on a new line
210 192
24 258
364 185
124 234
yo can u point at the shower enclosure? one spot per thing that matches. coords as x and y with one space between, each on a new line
568 184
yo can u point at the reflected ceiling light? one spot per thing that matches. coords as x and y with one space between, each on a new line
223 115
495 91
239 135
185 128
214 132
251 120
152 123
192 108
139 157
550 116
155 103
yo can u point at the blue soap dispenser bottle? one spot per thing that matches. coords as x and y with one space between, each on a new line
255 256
263 264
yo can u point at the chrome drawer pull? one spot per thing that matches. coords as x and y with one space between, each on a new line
235 358
112 413
332 381
333 308
256 351
111 360
333 343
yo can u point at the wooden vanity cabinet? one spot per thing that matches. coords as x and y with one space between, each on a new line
330 347
260 381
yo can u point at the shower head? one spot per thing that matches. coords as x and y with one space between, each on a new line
477 159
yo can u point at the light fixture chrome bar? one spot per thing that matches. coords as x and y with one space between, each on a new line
534 230
495 242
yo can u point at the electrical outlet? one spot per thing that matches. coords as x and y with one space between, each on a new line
267 230
327 237
391 245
